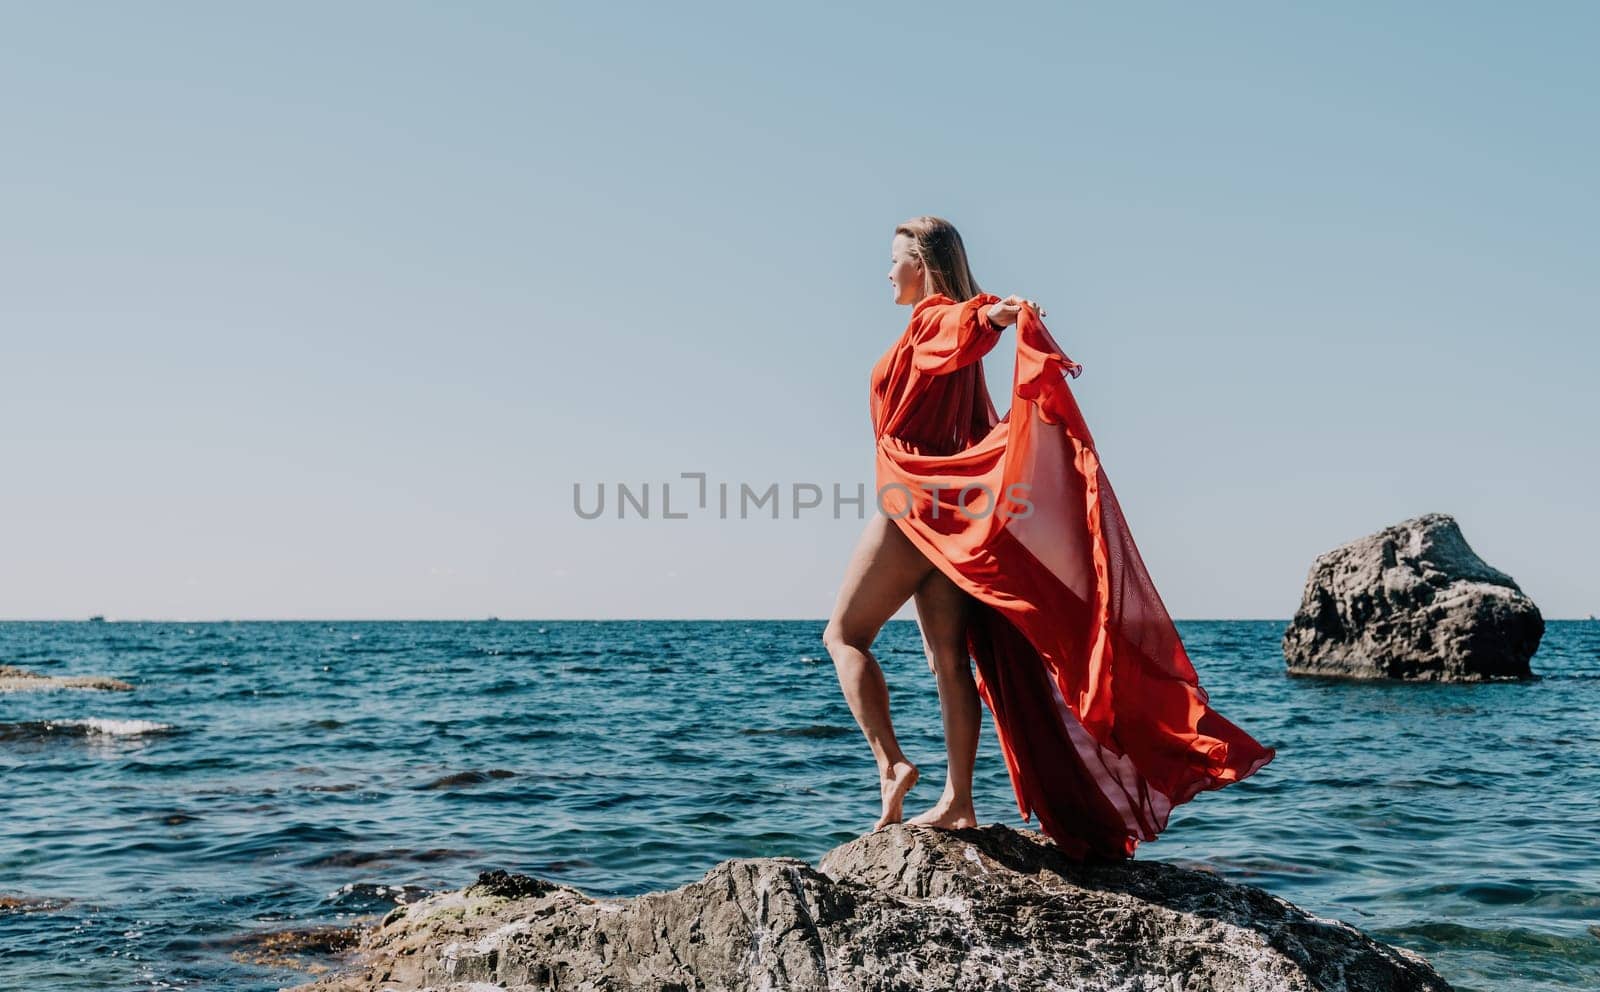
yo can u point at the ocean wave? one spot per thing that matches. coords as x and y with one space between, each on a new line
814 730
367 897
467 778
90 727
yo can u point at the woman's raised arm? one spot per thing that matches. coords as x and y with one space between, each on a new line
948 336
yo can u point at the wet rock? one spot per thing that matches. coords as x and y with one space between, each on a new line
13 679
505 885
29 904
1412 601
902 908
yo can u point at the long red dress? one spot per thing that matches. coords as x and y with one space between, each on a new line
1101 718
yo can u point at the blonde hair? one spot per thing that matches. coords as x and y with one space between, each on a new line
937 245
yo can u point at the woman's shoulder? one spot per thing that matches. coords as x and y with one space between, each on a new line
935 309
940 299
931 300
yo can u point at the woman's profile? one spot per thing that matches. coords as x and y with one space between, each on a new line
1030 594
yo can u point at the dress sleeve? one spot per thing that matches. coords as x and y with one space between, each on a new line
948 336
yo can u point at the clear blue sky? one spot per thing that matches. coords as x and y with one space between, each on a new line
319 310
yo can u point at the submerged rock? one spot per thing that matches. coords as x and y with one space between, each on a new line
902 908
1412 601
13 679
29 904
312 950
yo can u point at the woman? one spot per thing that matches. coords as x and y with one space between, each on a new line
1008 535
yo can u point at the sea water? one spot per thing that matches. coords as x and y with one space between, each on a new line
290 775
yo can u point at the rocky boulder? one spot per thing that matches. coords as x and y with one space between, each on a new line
1412 602
902 908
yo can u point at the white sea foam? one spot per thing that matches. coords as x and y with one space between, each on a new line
115 728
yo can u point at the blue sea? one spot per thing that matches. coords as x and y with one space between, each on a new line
271 776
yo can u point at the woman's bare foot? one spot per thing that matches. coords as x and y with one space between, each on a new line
893 786
947 815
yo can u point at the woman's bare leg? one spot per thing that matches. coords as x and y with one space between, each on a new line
942 613
884 571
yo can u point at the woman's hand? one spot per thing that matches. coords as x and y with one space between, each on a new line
1006 312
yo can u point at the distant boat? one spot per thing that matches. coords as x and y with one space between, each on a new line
98 618
492 620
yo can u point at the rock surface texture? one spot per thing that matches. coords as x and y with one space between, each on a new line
906 907
13 679
1412 602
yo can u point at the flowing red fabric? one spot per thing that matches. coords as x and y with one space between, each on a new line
1101 718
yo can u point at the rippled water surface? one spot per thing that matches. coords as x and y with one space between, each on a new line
265 776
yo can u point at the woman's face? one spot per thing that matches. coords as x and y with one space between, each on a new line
905 272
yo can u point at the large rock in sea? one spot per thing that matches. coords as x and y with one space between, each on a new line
1412 602
911 908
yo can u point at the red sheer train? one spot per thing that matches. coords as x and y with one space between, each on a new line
1101 718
